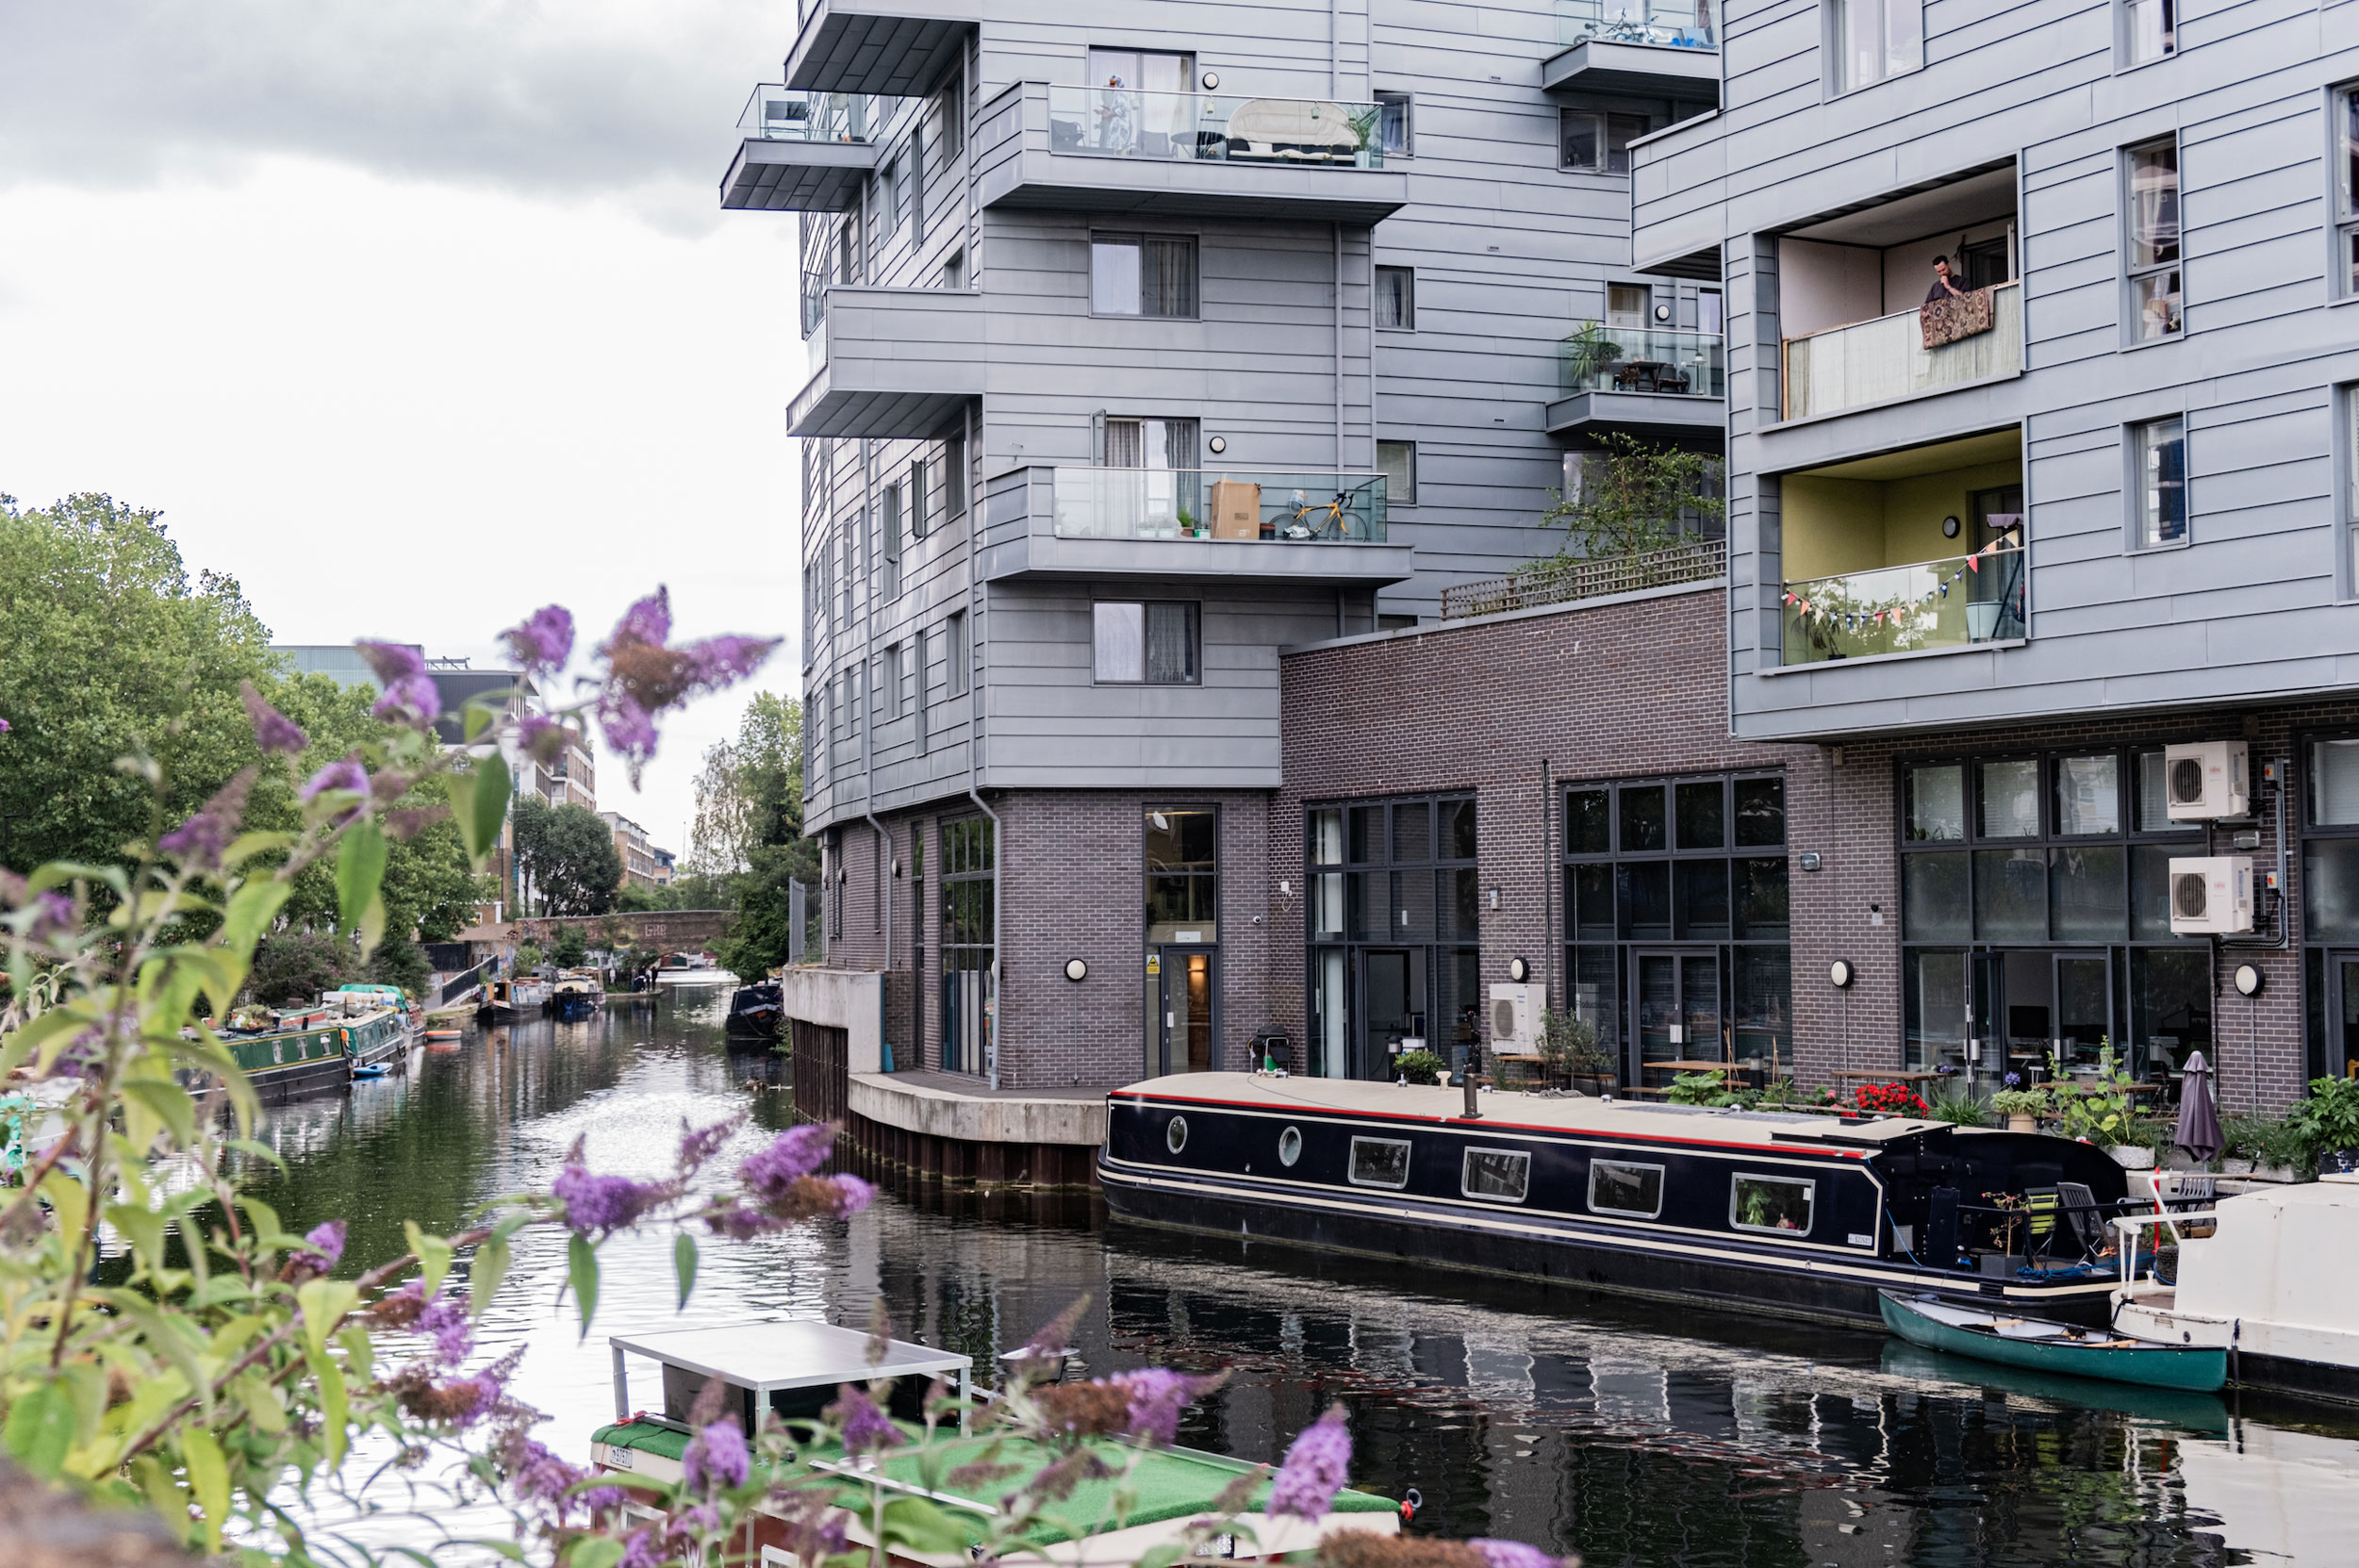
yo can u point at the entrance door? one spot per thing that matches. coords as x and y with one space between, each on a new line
1185 1037
1678 1012
1392 1006
2342 1017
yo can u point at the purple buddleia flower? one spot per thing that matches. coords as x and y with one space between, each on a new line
543 738
700 1144
598 1499
273 730
198 842
604 1204
1513 1554
392 661
325 1242
1157 1398
545 642
771 1171
447 1321
864 1426
6 726
742 1222
715 1457
852 1195
629 728
540 1476
814 1532
344 773
52 915
648 621
639 1550
412 699
644 678
722 661
1315 1469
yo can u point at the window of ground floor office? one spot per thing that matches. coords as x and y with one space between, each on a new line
2031 1011
1653 1005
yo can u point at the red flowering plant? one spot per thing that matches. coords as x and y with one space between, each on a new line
1890 1100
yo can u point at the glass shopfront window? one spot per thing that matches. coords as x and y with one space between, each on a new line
1395 914
2330 901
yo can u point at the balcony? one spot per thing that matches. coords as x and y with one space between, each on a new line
1957 602
900 48
890 363
1075 520
803 152
1185 155
1656 381
1656 48
1885 359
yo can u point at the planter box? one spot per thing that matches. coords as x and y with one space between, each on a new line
1995 1265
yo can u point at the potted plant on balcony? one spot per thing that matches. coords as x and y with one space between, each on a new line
1587 352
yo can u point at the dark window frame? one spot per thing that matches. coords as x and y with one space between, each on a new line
1195 642
1147 874
1141 239
2133 272
1388 100
1379 273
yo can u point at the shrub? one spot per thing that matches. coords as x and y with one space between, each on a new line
2265 1141
1568 1043
1956 1104
1695 1089
295 966
1419 1066
2020 1102
2097 1109
2328 1118
1890 1100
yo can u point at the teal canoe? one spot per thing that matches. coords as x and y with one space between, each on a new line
2040 1346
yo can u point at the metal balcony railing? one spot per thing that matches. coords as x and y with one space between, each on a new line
1643 359
1953 602
1670 23
1219 505
779 113
1189 127
1879 360
1564 579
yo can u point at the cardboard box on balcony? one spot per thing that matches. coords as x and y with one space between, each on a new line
1236 509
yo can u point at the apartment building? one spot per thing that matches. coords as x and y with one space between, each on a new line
643 864
1143 342
2042 398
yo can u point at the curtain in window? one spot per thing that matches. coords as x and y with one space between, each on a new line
2155 205
1117 654
1170 644
1168 287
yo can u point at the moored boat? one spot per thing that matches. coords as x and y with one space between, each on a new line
1788 1213
516 997
387 1049
576 994
288 1052
2039 1344
755 1011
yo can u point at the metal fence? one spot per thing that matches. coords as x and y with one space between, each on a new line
461 984
1566 578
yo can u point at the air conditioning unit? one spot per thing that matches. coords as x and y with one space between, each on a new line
2211 895
2206 780
1515 1018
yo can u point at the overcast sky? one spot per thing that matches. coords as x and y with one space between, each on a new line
412 315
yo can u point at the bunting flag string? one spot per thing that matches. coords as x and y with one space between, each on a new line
1894 614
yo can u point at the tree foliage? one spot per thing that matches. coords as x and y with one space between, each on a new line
750 820
566 857
1634 497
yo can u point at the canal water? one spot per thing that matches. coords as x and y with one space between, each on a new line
1628 1433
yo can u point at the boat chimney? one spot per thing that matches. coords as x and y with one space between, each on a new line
1473 1059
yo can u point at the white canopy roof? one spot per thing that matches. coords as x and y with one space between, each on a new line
766 1355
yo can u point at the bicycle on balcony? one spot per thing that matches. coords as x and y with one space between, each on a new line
1327 520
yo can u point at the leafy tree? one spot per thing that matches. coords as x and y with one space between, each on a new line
750 819
109 648
570 950
294 967
1631 499
567 857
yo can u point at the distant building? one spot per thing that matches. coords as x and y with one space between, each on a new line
639 863
665 866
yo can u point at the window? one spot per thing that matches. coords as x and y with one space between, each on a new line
968 936
1626 303
1771 1203
954 270
1141 274
891 520
2158 474
1396 298
2150 30
1592 143
1175 1134
1379 1162
2346 188
1500 1174
1617 1187
1289 1145
1394 127
1394 897
1873 40
1150 443
954 476
1146 644
956 667
2151 244
1397 462
920 498
1182 875
848 250
896 679
1142 70
953 123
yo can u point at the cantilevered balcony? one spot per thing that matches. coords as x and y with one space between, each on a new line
803 152
1651 48
1888 359
890 363
1650 381
1184 154
900 48
1078 521
1955 601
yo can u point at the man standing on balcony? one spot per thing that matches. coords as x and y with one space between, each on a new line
1944 287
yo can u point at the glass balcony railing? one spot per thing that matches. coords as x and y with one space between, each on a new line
1219 505
777 113
1195 127
1948 604
1643 359
1669 23
1877 361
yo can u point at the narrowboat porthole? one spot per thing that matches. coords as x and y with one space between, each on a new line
1379 1162
1289 1145
1175 1134
1618 1187
1502 1175
1771 1203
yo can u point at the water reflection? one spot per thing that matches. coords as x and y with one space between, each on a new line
1629 1433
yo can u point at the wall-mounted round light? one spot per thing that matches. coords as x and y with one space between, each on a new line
1211 80
2249 979
1662 313
1218 443
1075 970
1950 527
1838 973
1518 970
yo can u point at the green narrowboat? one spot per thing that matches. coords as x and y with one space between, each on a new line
311 1050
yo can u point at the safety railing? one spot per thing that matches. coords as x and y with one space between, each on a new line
1219 505
1564 579
1643 359
1668 23
780 113
1953 602
1198 127
1879 360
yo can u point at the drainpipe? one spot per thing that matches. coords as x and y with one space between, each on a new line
1338 229
1335 48
974 752
869 744
1549 880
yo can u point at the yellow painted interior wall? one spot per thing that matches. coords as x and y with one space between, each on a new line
1837 525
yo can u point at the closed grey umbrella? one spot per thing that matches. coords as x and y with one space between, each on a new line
2199 1118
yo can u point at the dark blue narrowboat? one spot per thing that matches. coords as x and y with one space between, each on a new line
1792 1214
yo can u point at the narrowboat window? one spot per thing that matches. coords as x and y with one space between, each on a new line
1289 1145
1379 1162
1175 1134
1617 1188
1496 1173
1771 1203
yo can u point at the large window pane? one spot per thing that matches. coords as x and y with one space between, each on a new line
1761 1002
1590 889
2334 781
2007 798
1761 813
1937 802
2153 797
2329 879
1588 830
1457 838
1701 807
1760 897
1367 834
1703 887
1933 897
1457 1002
1592 992
2089 795
1119 642
1113 276
1327 906
2161 455
1412 833
2011 895
1933 1007
1367 892
1645 900
2087 895
1182 840
1641 818
1327 837
2171 1008
1458 897
2150 891
1413 905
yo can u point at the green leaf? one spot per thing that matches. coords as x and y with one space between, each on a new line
248 845
259 1151
594 1551
168 1104
1161 1557
359 872
479 824
252 908
144 1227
68 1201
433 1254
335 1408
683 1264
25 1041
324 1301
917 1524
484 1270
39 1428
254 1391
209 1478
581 1267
